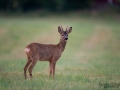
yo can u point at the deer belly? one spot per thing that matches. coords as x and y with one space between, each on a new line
44 57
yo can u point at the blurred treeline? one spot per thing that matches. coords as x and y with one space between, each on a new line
51 5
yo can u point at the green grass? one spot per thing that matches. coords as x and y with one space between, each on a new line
91 56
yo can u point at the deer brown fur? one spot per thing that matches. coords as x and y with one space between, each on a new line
46 52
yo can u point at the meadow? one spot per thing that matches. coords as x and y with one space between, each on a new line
90 60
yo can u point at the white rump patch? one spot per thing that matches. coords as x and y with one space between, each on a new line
27 49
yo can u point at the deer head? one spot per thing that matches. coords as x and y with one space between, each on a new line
64 34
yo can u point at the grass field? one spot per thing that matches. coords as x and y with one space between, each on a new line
90 60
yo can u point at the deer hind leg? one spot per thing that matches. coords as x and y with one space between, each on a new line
26 66
31 67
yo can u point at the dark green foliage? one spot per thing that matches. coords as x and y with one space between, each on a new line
52 5
77 4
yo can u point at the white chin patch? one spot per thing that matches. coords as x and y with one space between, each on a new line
27 49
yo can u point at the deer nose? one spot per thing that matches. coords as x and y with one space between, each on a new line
66 38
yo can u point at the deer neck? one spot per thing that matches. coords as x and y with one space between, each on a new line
62 44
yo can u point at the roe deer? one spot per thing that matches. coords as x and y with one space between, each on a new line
46 52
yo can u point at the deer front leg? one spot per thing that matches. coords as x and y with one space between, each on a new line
53 68
50 66
31 67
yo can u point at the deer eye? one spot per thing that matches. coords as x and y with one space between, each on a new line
62 35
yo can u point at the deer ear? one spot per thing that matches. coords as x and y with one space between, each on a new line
69 30
60 30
